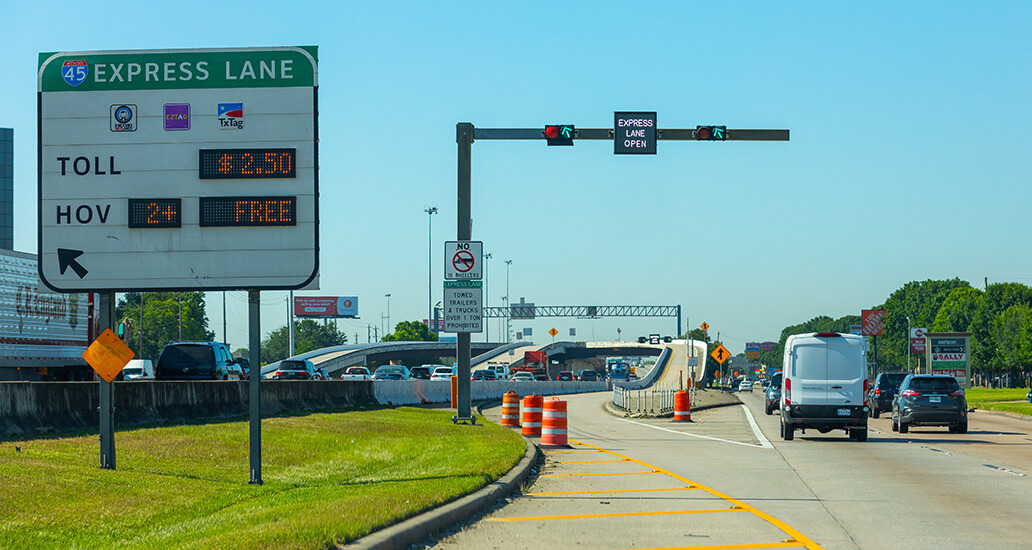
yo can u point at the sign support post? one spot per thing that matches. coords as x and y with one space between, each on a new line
254 386
107 392
464 230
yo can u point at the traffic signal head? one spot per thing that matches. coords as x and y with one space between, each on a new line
559 134
642 339
668 339
121 330
711 133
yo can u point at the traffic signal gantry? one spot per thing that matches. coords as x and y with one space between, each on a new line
633 133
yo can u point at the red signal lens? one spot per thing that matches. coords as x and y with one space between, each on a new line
705 133
551 132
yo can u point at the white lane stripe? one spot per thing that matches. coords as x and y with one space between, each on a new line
764 442
692 435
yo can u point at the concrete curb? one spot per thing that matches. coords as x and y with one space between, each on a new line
1018 416
414 529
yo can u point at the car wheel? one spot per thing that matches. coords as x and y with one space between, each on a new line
768 410
962 427
903 427
894 425
875 412
787 432
861 434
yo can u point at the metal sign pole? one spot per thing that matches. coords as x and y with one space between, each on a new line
107 390
464 230
254 387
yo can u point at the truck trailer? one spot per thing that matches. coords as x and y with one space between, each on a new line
42 335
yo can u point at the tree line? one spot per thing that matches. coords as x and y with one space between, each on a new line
999 319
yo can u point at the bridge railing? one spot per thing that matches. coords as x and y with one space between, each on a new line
655 400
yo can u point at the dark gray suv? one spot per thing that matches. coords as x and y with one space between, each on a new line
930 400
194 361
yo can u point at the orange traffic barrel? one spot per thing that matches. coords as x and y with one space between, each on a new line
682 407
553 422
532 414
511 409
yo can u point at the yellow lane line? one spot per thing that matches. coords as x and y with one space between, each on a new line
591 461
551 452
610 491
786 544
606 474
621 515
670 362
796 536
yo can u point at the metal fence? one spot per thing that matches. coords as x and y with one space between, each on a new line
655 400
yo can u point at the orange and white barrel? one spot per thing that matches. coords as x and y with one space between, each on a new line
511 409
553 422
532 414
682 407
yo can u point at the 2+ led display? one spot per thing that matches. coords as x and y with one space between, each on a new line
145 213
247 163
248 211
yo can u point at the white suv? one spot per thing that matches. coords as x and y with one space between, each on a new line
443 373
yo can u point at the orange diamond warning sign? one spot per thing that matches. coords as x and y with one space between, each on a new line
720 354
107 355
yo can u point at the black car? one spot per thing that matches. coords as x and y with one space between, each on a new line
484 374
587 375
295 369
421 373
883 391
773 394
565 376
194 361
930 400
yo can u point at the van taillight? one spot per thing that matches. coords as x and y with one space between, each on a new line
788 391
828 334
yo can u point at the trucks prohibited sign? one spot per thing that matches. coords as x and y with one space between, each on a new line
463 260
463 306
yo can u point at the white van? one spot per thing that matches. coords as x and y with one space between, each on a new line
824 384
138 369
501 370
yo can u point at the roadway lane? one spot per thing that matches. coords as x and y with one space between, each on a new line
889 492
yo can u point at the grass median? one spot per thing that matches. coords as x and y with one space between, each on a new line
1012 400
328 478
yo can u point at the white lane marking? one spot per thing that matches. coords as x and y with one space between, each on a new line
764 442
768 445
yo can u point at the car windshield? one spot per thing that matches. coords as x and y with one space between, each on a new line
389 370
934 384
443 370
357 370
891 380
132 370
292 365
483 373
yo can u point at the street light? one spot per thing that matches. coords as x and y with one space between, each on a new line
908 344
487 298
508 318
430 210
505 305
388 296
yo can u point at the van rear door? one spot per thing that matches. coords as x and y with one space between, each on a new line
810 372
846 371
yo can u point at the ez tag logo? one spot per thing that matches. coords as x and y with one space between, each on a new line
74 71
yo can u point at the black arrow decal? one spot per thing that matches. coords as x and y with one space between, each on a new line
66 258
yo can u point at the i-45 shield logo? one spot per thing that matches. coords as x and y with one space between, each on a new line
74 71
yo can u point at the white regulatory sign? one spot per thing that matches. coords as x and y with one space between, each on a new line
178 169
463 306
463 260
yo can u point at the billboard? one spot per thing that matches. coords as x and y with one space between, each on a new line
873 321
326 307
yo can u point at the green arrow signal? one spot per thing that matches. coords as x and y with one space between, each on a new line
718 133
567 132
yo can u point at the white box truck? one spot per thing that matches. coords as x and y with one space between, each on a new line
824 384
42 335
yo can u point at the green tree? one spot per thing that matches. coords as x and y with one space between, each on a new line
410 331
919 300
308 335
1012 330
958 310
160 322
995 300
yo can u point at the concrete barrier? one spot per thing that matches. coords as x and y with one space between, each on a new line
31 407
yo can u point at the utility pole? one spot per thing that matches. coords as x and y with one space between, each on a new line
430 211
180 316
487 298
508 318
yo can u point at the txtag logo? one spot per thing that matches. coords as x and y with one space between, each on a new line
75 71
231 116
177 116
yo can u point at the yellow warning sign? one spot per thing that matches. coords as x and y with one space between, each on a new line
553 332
704 326
107 355
720 354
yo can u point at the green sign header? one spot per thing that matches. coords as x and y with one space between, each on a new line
178 69
464 284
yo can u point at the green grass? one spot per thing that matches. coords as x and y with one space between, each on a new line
329 477
1023 407
982 395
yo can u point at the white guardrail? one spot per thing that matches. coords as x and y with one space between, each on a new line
654 400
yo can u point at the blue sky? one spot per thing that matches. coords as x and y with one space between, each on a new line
909 157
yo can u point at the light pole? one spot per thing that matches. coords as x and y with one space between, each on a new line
908 344
508 318
388 296
505 305
487 298
430 211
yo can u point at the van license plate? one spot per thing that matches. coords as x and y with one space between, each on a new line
843 412
934 399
